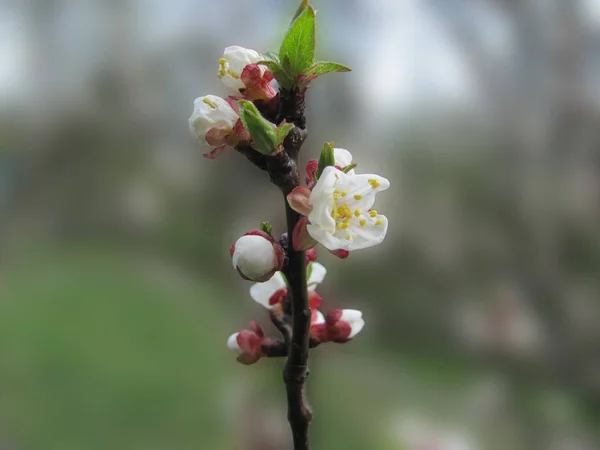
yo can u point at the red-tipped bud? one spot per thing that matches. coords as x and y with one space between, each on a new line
340 326
247 344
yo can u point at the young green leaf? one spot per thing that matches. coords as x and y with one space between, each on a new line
263 132
297 52
299 11
323 67
266 227
283 130
326 159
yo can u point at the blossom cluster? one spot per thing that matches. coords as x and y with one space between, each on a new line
336 204
339 325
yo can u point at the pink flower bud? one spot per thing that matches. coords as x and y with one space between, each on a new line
247 344
343 324
256 256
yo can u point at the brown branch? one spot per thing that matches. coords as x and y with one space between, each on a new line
277 348
283 171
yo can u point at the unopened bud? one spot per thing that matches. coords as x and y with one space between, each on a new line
256 256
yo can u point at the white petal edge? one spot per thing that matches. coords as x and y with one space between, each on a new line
261 293
317 275
342 157
354 319
232 343
320 319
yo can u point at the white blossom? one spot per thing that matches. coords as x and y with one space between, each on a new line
211 112
341 215
262 293
232 64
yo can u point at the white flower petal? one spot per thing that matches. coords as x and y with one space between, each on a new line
343 158
232 343
321 199
317 275
210 111
236 58
368 235
354 318
326 239
320 319
261 293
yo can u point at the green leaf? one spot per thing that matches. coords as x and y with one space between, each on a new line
266 227
297 52
299 11
326 159
263 132
323 67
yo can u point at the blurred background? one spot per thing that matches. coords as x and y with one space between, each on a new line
116 290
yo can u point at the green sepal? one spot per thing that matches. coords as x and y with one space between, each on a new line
264 134
327 158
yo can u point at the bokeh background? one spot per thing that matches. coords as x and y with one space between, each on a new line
116 290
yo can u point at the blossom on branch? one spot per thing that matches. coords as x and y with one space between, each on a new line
215 121
256 256
340 325
247 344
239 71
341 215
272 293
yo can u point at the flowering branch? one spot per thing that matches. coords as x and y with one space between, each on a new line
334 209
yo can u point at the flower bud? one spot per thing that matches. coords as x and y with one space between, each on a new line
247 344
343 324
233 63
256 256
215 122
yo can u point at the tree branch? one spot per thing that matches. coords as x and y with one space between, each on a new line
283 171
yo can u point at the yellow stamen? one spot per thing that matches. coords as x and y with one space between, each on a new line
374 183
348 237
222 69
363 222
232 74
336 195
372 213
344 193
379 222
357 213
210 103
357 197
